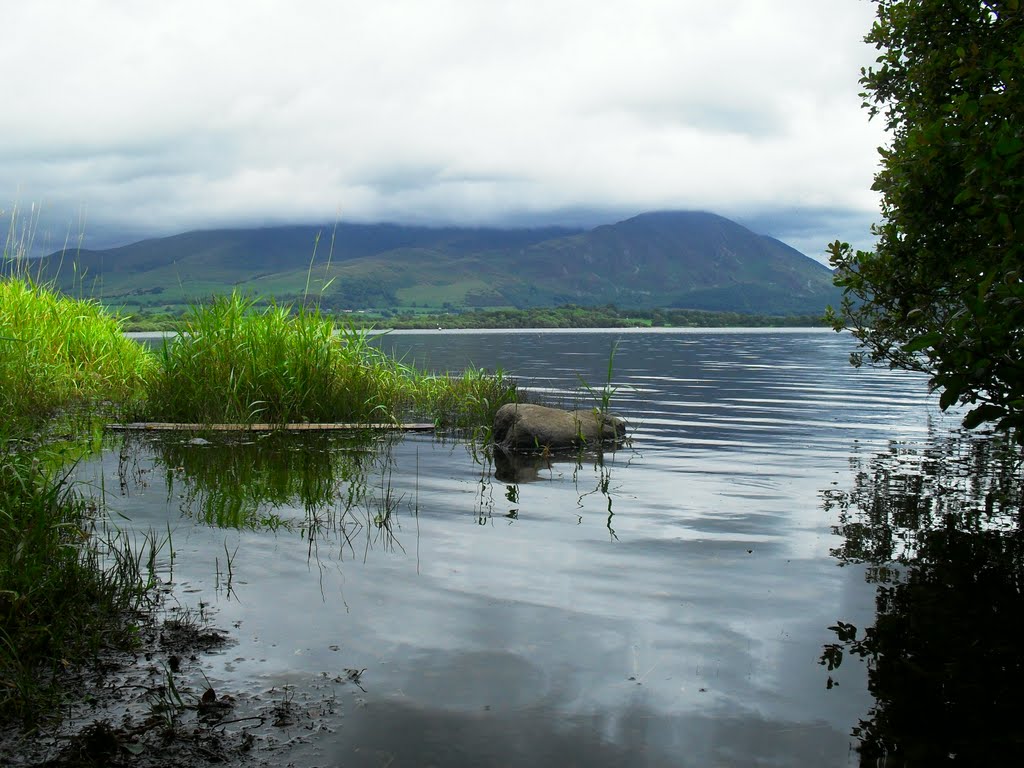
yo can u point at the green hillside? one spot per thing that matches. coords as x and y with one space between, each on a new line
690 260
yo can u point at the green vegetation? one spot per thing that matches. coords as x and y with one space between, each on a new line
69 591
235 362
574 316
65 594
565 316
603 397
939 524
57 352
943 291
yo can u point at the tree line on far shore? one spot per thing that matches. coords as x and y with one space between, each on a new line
566 316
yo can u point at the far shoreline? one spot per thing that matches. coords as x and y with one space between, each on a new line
565 317
631 330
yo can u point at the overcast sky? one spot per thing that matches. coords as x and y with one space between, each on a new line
127 119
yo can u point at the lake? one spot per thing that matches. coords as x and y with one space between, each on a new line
663 605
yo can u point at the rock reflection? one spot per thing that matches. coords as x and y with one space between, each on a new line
939 525
514 469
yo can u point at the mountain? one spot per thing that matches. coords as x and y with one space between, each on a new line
679 259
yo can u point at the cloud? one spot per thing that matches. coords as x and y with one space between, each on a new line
158 117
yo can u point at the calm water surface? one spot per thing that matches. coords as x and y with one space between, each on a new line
666 606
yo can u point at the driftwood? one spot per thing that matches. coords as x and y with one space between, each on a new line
160 426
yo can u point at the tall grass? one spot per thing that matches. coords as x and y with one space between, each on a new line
236 362
56 352
64 593
461 401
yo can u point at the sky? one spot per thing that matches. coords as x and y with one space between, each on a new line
124 120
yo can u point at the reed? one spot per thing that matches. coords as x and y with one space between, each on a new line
603 397
57 352
236 362
461 401
65 593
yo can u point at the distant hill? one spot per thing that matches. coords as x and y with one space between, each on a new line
677 259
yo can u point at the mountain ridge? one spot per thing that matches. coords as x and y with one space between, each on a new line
681 259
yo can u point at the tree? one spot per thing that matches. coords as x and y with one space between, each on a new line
942 291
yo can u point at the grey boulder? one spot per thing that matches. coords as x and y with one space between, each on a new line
527 428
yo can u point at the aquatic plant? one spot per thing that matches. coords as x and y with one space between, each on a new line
603 397
56 352
461 401
233 362
236 362
65 592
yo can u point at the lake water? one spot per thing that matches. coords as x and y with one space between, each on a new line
665 605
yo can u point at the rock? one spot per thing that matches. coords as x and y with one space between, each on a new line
526 428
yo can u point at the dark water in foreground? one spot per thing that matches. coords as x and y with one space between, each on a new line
667 606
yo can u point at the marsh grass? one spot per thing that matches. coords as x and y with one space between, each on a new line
236 362
65 593
463 401
56 353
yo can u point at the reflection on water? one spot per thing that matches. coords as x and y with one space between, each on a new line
591 475
939 521
664 604
323 486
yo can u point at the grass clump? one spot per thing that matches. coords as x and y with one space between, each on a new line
56 352
235 362
63 595
238 363
462 401
64 592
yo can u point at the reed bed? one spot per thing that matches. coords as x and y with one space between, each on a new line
235 362
56 352
461 401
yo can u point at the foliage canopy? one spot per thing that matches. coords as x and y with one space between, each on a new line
942 292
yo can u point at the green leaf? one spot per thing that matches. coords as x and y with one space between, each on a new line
934 293
982 414
1009 145
921 342
948 398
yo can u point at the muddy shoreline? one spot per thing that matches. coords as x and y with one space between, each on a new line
154 705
